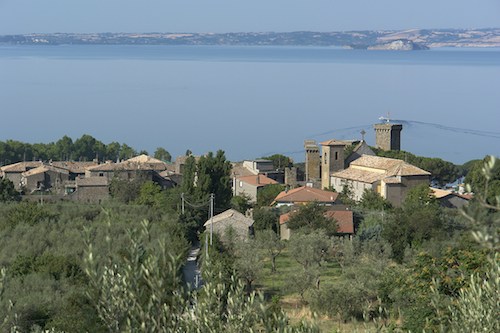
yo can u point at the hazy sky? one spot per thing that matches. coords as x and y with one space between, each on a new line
27 16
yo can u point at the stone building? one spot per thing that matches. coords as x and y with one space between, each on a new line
91 190
258 166
241 225
250 185
44 178
291 177
75 169
450 199
391 178
388 136
312 162
142 165
13 172
332 160
360 148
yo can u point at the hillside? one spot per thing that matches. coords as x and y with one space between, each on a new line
417 38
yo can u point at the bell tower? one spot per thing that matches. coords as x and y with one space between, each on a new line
332 160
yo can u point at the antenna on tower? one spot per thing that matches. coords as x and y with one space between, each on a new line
386 119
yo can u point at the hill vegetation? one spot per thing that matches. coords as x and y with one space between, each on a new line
85 148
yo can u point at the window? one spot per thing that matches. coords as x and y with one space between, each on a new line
325 158
336 155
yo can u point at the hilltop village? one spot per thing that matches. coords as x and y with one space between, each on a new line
356 238
331 167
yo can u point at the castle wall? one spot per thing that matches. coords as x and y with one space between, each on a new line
388 136
312 161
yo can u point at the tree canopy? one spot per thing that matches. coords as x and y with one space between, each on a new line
442 171
85 148
7 191
279 161
311 217
477 179
162 154
214 176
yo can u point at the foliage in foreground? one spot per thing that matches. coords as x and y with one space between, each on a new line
143 292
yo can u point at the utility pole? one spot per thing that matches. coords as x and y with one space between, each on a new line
182 204
212 196
206 245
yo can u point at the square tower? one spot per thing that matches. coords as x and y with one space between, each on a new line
332 160
313 161
388 136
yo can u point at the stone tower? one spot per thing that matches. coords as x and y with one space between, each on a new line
312 161
332 160
388 136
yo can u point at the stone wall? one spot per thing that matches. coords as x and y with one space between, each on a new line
388 136
312 161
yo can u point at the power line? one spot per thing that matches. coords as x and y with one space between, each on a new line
194 205
487 134
339 130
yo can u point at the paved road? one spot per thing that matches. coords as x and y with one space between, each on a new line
191 271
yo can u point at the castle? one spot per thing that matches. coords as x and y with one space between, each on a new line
353 164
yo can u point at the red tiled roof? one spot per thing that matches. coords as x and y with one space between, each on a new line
257 180
344 220
306 194
439 194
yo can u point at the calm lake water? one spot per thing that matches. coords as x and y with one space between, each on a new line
251 101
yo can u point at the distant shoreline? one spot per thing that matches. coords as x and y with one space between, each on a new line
409 40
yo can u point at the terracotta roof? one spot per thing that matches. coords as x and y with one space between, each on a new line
467 196
392 166
128 166
43 169
376 162
92 181
359 175
257 180
344 219
144 159
240 171
73 167
21 166
306 194
440 193
392 180
230 213
369 169
334 142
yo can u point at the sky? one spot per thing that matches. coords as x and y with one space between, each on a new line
49 16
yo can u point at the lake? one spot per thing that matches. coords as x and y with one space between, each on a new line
251 101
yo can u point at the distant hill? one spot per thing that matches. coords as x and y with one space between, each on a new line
414 39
